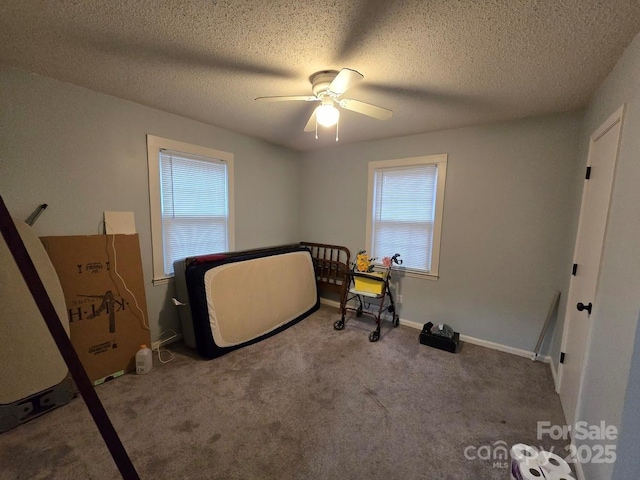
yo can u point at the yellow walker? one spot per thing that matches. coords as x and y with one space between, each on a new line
365 285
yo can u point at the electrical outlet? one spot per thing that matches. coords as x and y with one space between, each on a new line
399 298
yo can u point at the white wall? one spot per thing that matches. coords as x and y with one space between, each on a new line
83 152
617 301
508 217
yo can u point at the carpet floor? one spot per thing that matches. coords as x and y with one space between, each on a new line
309 403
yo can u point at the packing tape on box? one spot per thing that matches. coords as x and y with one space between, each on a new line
552 463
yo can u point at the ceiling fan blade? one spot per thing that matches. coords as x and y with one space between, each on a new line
366 109
345 79
311 124
304 98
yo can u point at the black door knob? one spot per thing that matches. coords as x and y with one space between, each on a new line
581 306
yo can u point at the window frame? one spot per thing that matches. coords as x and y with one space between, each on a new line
440 160
154 146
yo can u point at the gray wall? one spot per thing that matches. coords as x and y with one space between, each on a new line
509 212
83 152
628 465
617 301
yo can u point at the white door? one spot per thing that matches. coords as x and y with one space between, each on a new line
596 194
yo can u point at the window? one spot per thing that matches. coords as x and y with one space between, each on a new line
191 195
405 211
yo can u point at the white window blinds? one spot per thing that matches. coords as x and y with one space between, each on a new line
194 206
403 214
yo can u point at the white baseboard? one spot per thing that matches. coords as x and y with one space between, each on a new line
503 348
465 338
411 324
331 303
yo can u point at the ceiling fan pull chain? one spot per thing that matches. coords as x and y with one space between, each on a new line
316 128
337 127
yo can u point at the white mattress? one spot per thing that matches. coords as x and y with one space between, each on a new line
248 299
30 357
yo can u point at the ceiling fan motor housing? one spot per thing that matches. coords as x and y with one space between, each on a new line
320 81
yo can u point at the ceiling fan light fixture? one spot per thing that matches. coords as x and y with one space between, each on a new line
327 115
328 86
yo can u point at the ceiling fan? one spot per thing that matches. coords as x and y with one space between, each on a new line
328 86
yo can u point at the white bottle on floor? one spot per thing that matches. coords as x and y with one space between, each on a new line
144 360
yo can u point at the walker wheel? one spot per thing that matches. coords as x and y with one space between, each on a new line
339 325
396 320
374 336
359 312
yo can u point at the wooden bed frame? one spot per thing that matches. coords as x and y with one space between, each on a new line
332 265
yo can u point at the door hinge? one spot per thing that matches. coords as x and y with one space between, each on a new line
588 175
574 270
561 357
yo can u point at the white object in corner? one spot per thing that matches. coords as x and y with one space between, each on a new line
144 360
119 223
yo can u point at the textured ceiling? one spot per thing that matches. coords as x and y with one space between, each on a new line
437 64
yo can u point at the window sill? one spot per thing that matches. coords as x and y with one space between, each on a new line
162 281
405 273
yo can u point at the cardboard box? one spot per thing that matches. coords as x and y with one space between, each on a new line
106 327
